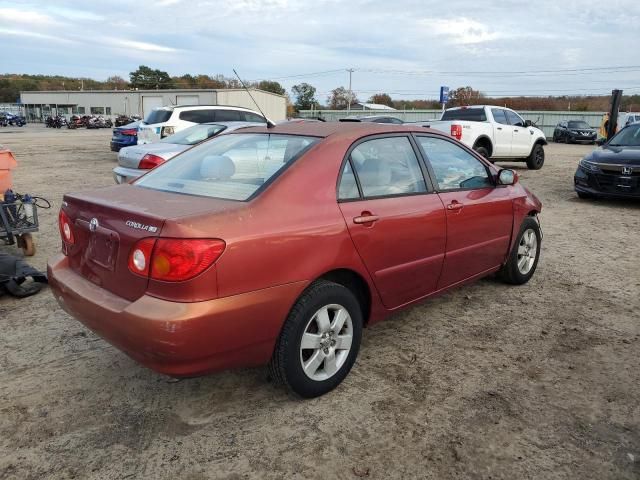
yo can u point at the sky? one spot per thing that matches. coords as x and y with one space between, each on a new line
407 48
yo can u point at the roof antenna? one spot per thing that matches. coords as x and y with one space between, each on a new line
270 124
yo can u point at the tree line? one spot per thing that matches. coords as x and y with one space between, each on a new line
303 96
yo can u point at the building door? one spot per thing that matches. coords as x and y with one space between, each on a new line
187 100
149 103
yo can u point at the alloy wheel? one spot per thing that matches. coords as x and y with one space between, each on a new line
527 251
326 342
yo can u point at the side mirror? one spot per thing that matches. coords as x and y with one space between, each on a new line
528 123
601 141
507 177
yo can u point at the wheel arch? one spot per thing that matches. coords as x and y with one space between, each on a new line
356 283
484 141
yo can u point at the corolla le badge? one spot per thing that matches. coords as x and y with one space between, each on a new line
141 226
93 224
627 170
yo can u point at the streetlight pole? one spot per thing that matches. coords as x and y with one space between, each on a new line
350 70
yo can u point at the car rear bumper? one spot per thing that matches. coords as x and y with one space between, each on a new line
178 339
124 174
116 145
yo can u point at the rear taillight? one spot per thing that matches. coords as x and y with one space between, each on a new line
132 132
456 131
150 161
66 229
140 256
174 259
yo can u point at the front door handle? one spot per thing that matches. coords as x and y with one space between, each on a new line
455 206
498 128
364 219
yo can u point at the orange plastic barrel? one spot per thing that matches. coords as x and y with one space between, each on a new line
7 163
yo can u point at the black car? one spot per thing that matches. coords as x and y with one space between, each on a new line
613 170
575 131
374 119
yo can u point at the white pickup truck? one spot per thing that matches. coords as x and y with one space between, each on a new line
494 132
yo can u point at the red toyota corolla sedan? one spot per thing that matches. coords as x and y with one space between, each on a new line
278 245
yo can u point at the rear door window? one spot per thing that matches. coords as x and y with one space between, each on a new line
386 167
499 116
196 116
229 116
454 167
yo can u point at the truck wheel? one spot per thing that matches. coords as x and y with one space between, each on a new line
482 151
536 159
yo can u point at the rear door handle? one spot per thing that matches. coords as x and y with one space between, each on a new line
499 128
366 219
455 206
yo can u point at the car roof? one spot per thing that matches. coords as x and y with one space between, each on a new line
198 107
345 129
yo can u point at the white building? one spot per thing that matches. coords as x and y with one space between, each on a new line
111 103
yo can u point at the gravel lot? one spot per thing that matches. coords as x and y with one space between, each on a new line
489 381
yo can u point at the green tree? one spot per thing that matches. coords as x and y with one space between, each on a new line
148 78
340 98
271 86
305 96
381 99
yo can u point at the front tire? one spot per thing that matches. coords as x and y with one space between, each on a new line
319 341
523 259
535 160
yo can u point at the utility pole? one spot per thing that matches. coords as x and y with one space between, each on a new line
350 70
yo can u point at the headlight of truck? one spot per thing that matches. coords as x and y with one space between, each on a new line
589 166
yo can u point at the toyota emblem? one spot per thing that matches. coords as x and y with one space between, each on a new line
93 224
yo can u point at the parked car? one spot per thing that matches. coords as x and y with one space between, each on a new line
494 132
165 121
124 136
575 131
138 160
374 119
613 170
278 245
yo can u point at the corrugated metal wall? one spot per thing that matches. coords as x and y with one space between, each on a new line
545 120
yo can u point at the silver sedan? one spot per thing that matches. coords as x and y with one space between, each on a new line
137 160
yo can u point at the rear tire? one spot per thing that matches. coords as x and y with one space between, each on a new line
328 318
482 151
535 160
523 259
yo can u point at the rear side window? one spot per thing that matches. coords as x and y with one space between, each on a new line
158 116
197 116
387 166
499 116
454 167
231 167
348 186
469 114
228 116
253 117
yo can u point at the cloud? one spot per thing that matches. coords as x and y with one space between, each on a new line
462 31
136 45
15 15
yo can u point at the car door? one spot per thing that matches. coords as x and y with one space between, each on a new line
396 221
479 213
502 133
521 142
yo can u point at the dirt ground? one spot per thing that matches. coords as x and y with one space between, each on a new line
489 381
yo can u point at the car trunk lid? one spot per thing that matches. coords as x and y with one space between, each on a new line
108 222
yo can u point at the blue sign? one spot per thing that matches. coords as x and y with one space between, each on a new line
444 94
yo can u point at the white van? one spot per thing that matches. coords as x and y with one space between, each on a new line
164 121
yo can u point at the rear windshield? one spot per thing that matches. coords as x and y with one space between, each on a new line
194 134
158 116
231 167
469 114
578 124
